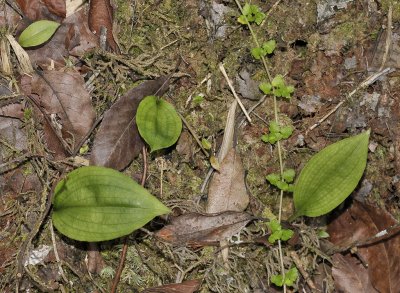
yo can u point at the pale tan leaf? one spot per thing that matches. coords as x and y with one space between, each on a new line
227 190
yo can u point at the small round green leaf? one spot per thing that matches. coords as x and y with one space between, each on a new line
330 176
158 123
97 204
38 33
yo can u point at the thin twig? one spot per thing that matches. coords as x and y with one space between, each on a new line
23 250
125 247
53 239
62 141
208 76
303 272
222 69
7 166
82 141
369 80
381 236
193 133
388 37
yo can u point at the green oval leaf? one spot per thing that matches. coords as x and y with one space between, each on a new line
330 176
97 204
38 33
158 123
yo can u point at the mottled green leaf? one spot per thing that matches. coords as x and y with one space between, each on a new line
330 176
38 33
158 123
97 204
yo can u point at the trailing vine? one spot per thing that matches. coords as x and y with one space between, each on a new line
275 86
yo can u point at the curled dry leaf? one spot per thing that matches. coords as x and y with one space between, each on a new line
101 15
227 190
197 230
118 141
190 286
67 103
359 223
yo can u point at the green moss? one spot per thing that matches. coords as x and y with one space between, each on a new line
396 8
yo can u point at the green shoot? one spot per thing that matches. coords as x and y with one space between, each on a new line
264 50
277 87
251 13
277 233
277 133
282 182
289 279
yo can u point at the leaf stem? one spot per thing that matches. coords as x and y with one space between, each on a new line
276 117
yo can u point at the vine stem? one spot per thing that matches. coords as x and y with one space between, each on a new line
276 117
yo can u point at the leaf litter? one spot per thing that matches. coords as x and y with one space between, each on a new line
66 102
358 224
151 35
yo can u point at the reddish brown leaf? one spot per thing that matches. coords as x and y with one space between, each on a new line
227 190
47 9
361 222
101 15
66 102
203 229
350 275
56 7
79 38
190 286
118 141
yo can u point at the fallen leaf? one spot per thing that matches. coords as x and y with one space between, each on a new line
66 101
101 15
350 275
227 189
79 38
56 7
196 230
190 286
46 9
118 141
360 222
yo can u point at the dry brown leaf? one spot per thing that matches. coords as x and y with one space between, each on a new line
203 229
361 222
118 141
56 7
227 189
190 286
46 9
11 129
350 275
66 101
101 15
